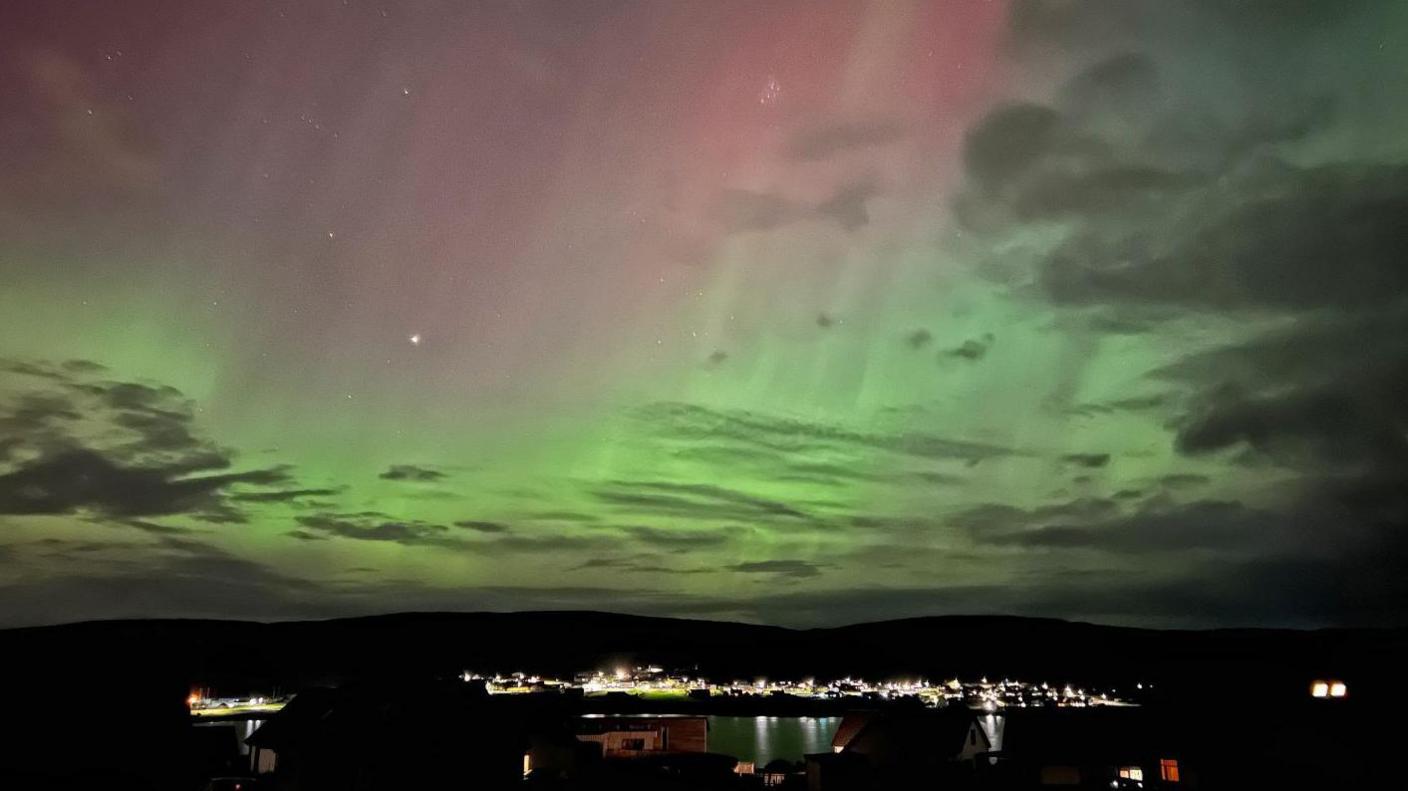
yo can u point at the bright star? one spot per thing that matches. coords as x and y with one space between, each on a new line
415 339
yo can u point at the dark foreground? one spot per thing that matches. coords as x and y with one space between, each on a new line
376 711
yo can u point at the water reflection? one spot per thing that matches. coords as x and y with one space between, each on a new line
763 739
243 730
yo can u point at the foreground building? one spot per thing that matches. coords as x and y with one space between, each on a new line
628 737
901 750
429 736
1092 748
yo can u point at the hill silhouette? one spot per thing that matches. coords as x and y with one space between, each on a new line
238 656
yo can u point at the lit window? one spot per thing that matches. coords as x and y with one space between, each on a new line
1319 689
1337 689
1134 773
1168 770
527 764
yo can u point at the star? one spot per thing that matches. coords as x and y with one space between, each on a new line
415 339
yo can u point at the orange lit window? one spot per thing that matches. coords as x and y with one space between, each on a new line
1134 773
1168 770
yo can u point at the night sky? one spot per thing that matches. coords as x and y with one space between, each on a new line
794 312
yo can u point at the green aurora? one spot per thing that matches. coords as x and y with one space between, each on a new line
801 314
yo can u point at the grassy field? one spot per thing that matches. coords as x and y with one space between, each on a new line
226 711
652 694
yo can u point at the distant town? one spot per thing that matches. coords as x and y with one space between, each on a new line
653 683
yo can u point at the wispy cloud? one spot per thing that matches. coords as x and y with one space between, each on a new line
411 472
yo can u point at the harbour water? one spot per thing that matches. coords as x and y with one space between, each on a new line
763 739
756 739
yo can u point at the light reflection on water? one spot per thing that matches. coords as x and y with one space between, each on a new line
762 739
243 729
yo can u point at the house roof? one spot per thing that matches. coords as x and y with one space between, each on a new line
932 734
1103 735
295 719
851 724
368 715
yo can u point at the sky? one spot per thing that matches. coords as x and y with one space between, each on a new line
803 313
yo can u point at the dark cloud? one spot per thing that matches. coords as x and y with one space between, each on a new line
823 142
565 543
64 548
1164 184
283 495
1118 405
782 568
939 478
378 527
847 206
825 321
1124 321
973 349
835 466
689 423
1221 527
1324 393
1126 79
83 367
918 339
174 577
1061 25
832 473
1008 142
639 564
993 521
36 421
1183 480
411 472
678 540
483 527
1149 190
564 516
1259 238
1303 593
148 526
83 480
698 501
119 450
1327 527
1087 459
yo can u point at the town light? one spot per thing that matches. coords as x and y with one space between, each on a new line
1319 689
1337 689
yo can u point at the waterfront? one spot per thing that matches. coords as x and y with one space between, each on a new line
756 739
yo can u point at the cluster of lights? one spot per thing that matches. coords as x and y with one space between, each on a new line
1328 689
199 704
981 694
